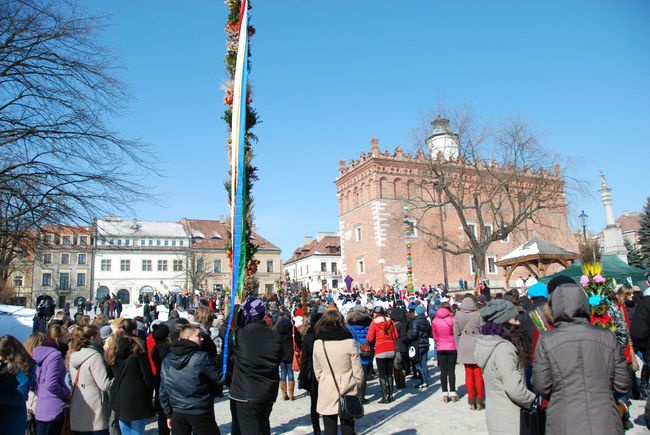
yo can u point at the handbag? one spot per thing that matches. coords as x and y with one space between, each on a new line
350 406
66 429
398 363
400 378
533 419
297 355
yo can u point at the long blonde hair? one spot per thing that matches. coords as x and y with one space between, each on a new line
14 356
80 338
135 346
33 341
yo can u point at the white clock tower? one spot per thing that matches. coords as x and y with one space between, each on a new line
442 140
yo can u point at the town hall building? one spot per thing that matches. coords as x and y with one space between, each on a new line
372 192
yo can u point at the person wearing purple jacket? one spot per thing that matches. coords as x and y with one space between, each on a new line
53 394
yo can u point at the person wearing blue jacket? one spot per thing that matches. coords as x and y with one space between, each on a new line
358 324
17 373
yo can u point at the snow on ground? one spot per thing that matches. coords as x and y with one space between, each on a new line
412 412
129 311
16 321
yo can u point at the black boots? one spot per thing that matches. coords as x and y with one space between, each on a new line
383 384
390 389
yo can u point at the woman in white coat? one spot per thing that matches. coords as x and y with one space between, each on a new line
335 342
89 407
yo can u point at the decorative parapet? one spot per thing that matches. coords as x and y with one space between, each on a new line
375 153
398 155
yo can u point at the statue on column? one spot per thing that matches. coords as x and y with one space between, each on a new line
603 180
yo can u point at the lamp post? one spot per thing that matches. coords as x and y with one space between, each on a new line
583 222
438 188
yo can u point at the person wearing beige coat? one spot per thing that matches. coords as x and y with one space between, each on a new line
89 407
333 336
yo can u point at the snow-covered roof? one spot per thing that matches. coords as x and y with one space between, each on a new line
196 234
136 228
537 247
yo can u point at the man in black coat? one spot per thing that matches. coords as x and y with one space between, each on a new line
189 380
419 334
257 355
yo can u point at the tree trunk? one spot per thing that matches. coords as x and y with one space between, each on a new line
479 268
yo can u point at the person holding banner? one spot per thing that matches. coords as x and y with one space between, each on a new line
257 352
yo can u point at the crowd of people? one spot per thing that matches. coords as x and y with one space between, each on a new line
99 373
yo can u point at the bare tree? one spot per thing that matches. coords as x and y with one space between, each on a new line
494 179
60 162
197 271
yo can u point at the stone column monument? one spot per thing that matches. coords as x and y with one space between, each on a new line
612 234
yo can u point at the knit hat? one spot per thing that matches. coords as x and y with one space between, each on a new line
558 281
499 311
105 332
160 332
538 290
379 310
359 308
141 325
419 310
412 306
253 309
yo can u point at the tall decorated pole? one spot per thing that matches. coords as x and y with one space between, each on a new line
241 118
409 259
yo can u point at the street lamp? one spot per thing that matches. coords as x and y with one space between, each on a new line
583 222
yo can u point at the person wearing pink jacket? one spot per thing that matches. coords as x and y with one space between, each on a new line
442 328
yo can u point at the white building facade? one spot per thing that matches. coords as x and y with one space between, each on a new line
134 257
317 264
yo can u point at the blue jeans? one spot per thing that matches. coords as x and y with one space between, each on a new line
133 427
421 365
286 372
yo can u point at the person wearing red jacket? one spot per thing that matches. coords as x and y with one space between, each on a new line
383 334
442 328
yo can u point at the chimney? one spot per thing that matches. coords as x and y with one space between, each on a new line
308 240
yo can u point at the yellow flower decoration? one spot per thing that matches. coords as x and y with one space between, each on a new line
592 269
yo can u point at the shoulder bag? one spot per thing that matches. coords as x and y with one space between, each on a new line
66 429
350 406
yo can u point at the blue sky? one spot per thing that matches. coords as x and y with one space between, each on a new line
329 75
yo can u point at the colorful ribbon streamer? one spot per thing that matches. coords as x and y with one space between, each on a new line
409 260
238 195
